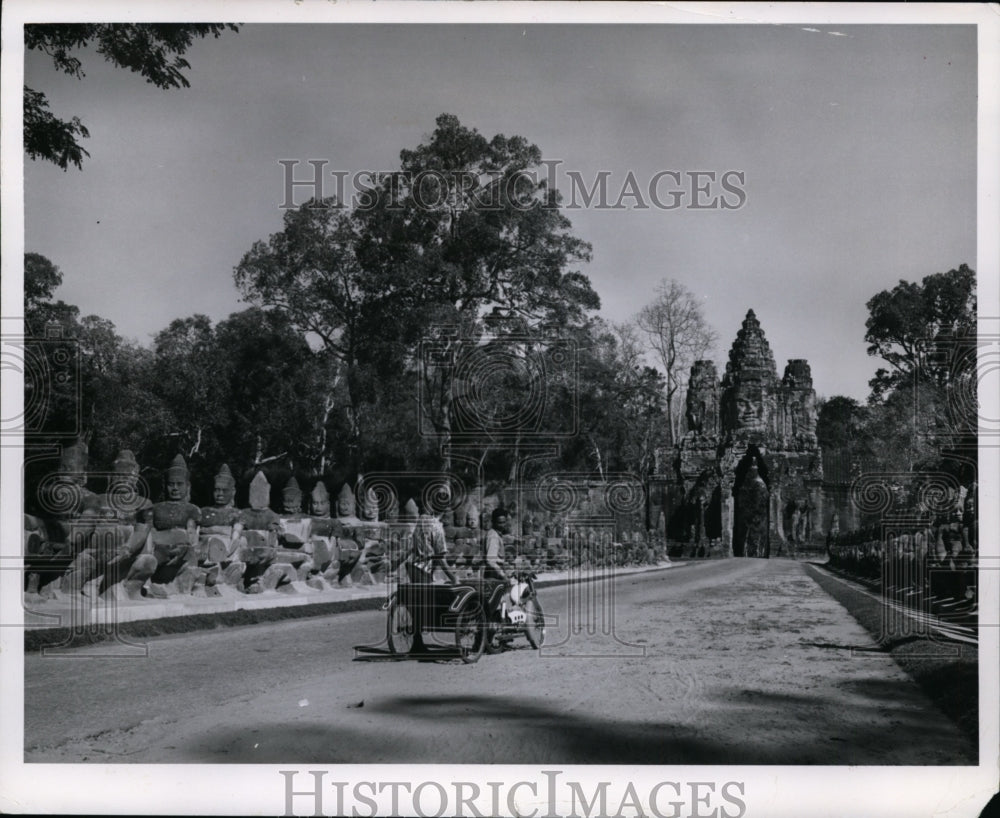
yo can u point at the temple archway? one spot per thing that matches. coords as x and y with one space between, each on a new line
751 505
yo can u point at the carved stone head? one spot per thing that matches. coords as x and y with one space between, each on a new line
748 404
73 464
124 471
471 515
319 500
176 483
291 497
345 502
369 505
260 492
224 489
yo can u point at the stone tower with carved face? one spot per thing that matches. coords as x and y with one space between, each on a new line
751 425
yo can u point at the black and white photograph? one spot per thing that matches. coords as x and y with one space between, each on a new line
500 409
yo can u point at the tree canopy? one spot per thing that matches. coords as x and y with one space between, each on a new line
918 328
465 228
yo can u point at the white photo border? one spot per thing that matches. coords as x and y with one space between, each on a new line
770 791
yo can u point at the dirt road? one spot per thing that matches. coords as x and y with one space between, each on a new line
727 662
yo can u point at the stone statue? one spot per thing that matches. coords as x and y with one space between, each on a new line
793 533
410 512
260 529
472 517
459 515
67 513
323 532
174 535
293 535
119 536
367 501
753 507
346 506
221 534
802 524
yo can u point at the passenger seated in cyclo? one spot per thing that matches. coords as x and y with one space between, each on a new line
430 551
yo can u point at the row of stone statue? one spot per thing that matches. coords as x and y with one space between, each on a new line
933 561
121 541
140 548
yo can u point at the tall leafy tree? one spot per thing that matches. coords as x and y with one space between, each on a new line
468 226
153 50
678 334
465 227
191 378
920 328
41 279
280 395
926 332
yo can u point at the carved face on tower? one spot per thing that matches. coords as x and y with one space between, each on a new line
749 408
804 417
224 489
176 483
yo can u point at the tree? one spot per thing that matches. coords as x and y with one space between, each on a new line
82 378
464 228
153 50
839 422
677 333
919 328
309 273
280 394
468 226
41 279
192 379
926 332
119 405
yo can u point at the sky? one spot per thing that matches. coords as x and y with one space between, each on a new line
857 145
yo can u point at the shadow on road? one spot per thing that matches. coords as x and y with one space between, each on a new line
504 730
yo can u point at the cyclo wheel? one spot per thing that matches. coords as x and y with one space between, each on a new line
534 627
471 634
401 630
493 643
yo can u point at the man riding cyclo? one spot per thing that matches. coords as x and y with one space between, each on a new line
493 573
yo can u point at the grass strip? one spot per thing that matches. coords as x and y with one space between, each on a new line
948 672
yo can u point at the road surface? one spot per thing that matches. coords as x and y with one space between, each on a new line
723 662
